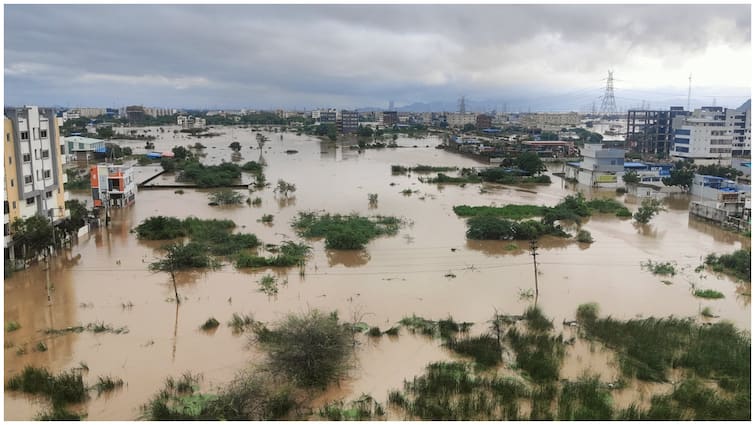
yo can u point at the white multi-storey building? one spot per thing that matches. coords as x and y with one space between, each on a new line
33 160
704 137
460 120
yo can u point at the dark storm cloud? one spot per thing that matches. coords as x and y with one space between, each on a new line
351 55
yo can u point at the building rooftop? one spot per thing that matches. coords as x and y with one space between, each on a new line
85 140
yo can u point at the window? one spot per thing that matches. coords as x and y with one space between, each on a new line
36 153
11 183
46 153
14 205
34 131
43 133
7 137
27 157
48 194
28 179
10 160
47 174
24 135
29 201
37 174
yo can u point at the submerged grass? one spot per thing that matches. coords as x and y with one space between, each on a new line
708 293
107 383
12 326
344 231
213 234
659 268
444 328
364 408
65 387
94 327
485 349
241 322
648 348
210 324
451 391
289 254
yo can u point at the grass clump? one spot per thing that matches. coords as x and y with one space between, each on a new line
241 322
224 174
485 349
268 285
344 231
364 408
257 201
374 332
444 178
267 218
58 413
107 383
585 399
608 206
210 324
708 293
225 197
487 227
537 354
648 348
511 211
40 347
659 268
583 236
392 331
398 169
444 328
289 254
707 312
12 326
212 235
451 391
312 349
737 264
66 387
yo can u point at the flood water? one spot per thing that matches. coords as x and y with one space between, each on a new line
104 278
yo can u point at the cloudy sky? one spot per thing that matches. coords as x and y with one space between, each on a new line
542 57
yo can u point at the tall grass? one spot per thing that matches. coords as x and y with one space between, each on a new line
451 391
485 349
737 264
65 387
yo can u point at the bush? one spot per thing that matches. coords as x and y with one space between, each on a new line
312 348
584 236
737 263
648 209
211 323
160 228
66 387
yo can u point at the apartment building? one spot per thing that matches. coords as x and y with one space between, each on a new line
460 120
349 122
704 137
33 160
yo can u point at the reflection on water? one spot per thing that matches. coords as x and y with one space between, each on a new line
392 278
347 258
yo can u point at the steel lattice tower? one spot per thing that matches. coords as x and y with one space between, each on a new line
462 106
608 106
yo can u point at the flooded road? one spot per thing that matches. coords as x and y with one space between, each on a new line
104 278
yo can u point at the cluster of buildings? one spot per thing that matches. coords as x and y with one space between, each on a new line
709 135
35 157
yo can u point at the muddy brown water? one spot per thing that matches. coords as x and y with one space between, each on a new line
104 278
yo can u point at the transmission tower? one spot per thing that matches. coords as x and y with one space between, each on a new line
462 106
608 106
689 92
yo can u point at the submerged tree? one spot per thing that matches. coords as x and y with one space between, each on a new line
180 257
648 209
284 187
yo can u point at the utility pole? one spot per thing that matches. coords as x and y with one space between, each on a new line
533 252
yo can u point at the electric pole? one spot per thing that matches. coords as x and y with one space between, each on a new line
533 250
